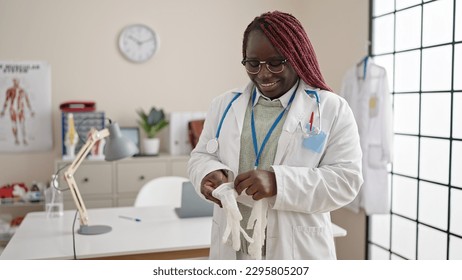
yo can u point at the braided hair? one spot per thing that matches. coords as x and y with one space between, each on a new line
287 35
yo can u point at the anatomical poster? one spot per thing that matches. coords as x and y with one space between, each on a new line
25 106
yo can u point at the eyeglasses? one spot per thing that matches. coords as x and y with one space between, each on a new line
253 66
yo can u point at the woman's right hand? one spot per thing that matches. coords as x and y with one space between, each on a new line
210 182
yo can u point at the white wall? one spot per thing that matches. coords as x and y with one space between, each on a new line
199 55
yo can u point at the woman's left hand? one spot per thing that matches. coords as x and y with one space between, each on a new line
257 183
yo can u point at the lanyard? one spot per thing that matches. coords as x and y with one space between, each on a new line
217 135
270 131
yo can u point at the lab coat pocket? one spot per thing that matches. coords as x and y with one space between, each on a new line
218 250
311 243
375 157
216 236
315 142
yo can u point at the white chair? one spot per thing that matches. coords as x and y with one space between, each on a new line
161 191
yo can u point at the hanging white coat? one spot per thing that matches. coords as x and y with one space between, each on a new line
310 183
365 87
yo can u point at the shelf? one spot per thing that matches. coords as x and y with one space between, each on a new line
7 202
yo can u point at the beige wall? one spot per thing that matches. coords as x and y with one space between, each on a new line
200 50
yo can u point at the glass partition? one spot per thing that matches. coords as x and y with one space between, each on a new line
419 42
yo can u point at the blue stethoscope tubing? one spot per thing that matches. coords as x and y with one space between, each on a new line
212 144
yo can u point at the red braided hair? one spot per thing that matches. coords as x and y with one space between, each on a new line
287 35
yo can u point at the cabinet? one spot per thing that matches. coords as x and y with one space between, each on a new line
113 184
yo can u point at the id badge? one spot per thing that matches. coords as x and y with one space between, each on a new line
315 142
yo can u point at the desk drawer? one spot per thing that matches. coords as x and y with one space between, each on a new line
91 178
131 176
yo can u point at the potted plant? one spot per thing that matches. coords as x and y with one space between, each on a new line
151 124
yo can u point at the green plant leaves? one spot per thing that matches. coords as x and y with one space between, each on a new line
152 123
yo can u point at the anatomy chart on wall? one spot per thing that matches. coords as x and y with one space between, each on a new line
25 106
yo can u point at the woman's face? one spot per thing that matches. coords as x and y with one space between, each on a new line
271 85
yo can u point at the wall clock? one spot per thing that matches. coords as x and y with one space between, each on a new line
138 42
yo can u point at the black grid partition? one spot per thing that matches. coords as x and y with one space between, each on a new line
420 44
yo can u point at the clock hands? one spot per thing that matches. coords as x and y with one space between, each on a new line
138 41
135 39
145 41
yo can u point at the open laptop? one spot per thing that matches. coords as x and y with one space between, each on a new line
192 205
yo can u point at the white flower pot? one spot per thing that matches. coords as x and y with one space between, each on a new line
151 146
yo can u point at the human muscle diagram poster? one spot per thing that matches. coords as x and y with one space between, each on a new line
25 107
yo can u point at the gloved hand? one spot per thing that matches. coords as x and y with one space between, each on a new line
227 195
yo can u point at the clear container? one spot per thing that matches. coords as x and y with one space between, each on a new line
54 206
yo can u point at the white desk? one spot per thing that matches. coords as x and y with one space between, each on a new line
159 235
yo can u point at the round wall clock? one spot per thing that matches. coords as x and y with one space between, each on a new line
138 42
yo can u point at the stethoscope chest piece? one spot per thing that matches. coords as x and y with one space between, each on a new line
212 146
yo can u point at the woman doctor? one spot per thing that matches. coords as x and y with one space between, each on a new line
285 138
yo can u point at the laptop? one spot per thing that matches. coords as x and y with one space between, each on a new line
192 205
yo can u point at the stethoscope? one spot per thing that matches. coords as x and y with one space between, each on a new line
212 144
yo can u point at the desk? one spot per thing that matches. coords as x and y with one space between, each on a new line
159 235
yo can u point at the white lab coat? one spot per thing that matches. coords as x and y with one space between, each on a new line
370 101
310 184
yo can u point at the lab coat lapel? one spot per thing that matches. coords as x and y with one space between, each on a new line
240 106
296 117
238 112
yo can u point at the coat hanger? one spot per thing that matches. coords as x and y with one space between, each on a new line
364 60
367 51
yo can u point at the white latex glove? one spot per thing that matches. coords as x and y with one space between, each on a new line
227 195
258 220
